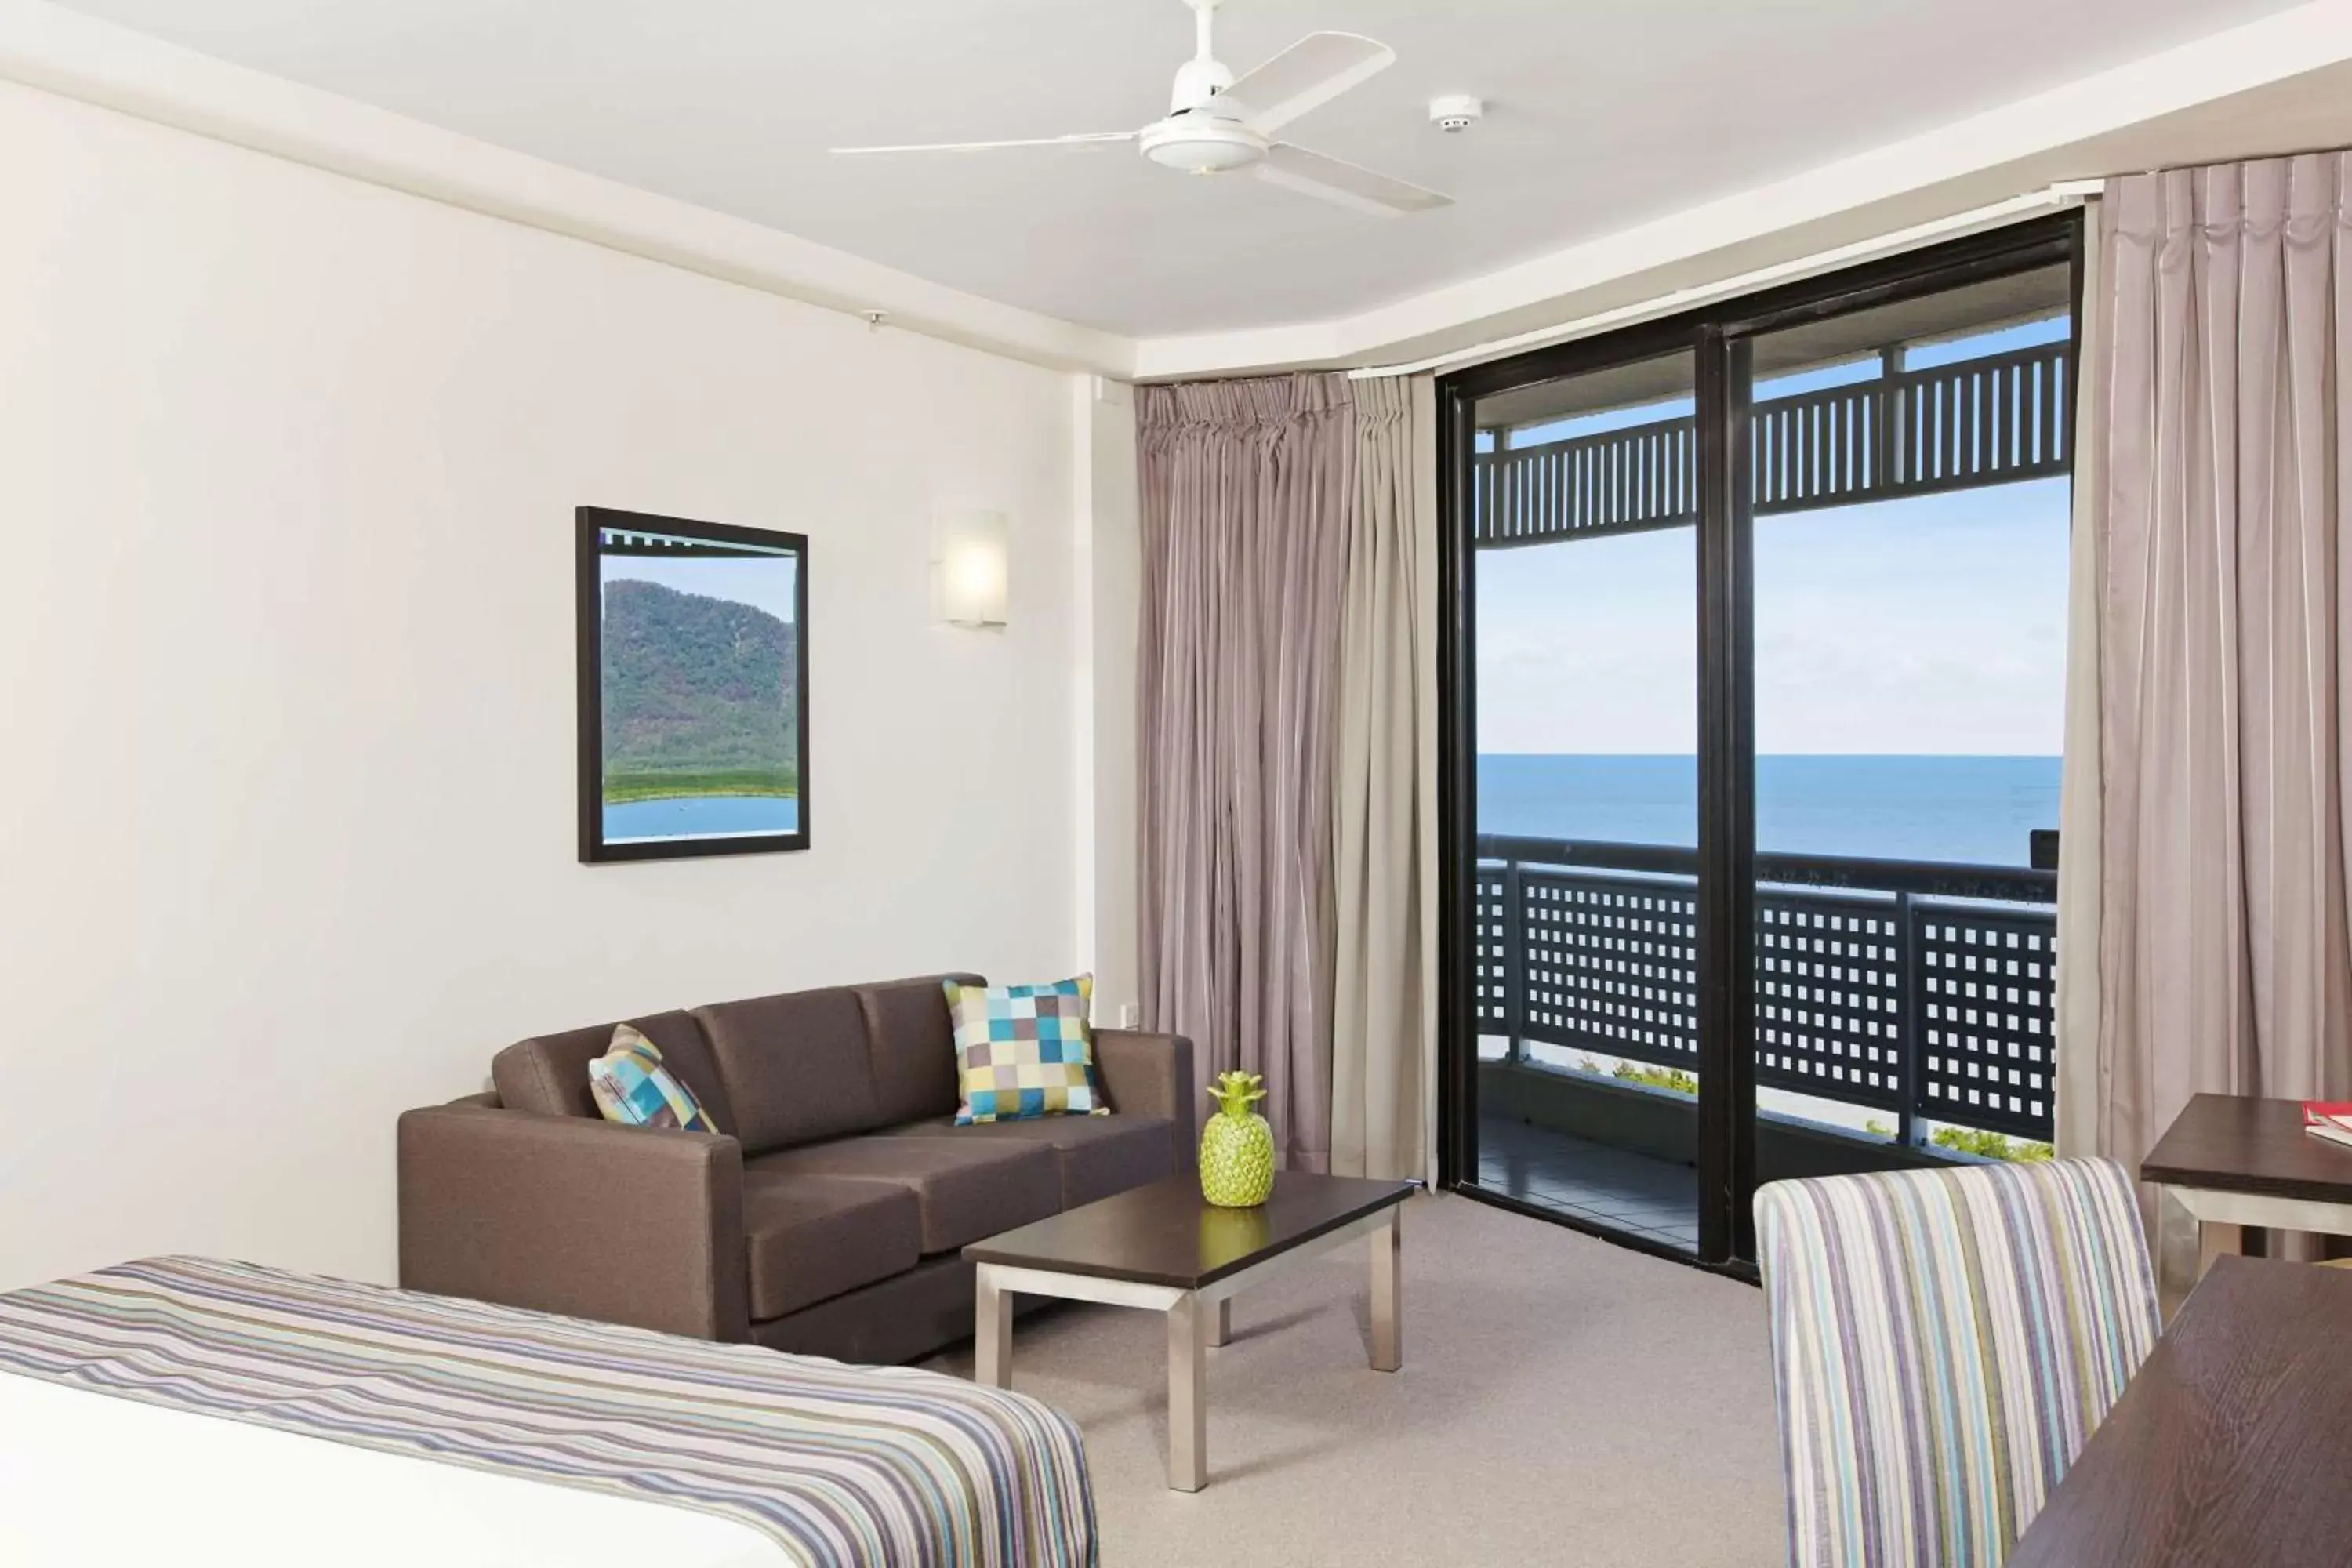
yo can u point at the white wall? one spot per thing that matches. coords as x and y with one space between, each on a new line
288 465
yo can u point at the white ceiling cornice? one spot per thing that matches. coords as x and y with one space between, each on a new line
2096 125
46 46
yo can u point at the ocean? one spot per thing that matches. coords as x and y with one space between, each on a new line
1977 810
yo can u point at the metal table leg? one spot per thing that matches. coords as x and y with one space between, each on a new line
1188 1397
992 1334
2175 1252
1388 1293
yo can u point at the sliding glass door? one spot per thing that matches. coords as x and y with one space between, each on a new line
1587 798
1910 500
1754 680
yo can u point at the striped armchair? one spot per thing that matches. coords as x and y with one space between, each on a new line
1943 1343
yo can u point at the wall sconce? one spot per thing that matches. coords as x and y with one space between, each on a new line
968 569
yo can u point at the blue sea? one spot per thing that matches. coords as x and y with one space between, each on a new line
700 815
1977 810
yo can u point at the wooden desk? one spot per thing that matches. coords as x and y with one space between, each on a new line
2231 1161
2232 1446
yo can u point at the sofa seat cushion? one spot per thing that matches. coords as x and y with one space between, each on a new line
1098 1155
810 1238
963 1190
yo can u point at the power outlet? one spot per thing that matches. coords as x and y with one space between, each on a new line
1131 1014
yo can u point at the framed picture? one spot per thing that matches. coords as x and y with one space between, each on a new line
693 688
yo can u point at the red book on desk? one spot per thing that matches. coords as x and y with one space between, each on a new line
2328 1119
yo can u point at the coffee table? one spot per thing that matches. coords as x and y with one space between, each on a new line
1167 1248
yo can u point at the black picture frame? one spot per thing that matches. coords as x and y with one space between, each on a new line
652 536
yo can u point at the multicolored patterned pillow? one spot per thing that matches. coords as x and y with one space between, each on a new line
1024 1052
631 1086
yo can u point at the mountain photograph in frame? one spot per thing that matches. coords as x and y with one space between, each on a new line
693 669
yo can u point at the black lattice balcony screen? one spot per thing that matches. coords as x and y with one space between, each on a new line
1926 1007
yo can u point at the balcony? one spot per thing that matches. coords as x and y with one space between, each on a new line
1993 420
1893 998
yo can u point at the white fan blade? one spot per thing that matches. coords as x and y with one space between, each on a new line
1296 169
1086 139
1313 71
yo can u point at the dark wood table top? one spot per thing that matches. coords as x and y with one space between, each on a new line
2239 1144
1166 1234
2232 1446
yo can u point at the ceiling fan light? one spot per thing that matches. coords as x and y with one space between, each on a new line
1203 145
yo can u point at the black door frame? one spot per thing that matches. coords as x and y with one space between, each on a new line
1718 337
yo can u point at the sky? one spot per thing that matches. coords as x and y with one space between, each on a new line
1934 625
763 582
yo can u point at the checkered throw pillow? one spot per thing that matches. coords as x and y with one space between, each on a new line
1025 1050
632 1086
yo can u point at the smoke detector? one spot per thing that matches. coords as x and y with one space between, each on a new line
1455 112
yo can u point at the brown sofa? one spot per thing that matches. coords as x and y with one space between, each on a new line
828 1216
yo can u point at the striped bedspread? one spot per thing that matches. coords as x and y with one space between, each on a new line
842 1467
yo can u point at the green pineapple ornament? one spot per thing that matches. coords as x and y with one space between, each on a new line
1237 1146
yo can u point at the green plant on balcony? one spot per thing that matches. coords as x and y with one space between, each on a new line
1672 1078
1972 1141
1963 1139
1990 1145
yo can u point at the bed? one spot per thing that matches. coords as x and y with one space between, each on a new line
188 1410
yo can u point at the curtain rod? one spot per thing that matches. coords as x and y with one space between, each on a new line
2335 152
2064 193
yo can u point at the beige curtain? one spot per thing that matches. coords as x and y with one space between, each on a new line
2082 1085
2225 641
1246 489
1384 852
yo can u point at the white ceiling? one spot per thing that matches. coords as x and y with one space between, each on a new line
1603 116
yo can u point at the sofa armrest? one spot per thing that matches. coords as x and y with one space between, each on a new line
1146 1073
621 1224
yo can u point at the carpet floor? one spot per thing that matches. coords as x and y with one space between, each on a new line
1562 1402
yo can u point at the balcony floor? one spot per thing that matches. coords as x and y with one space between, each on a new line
1590 1181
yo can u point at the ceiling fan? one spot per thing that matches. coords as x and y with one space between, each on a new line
1218 122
